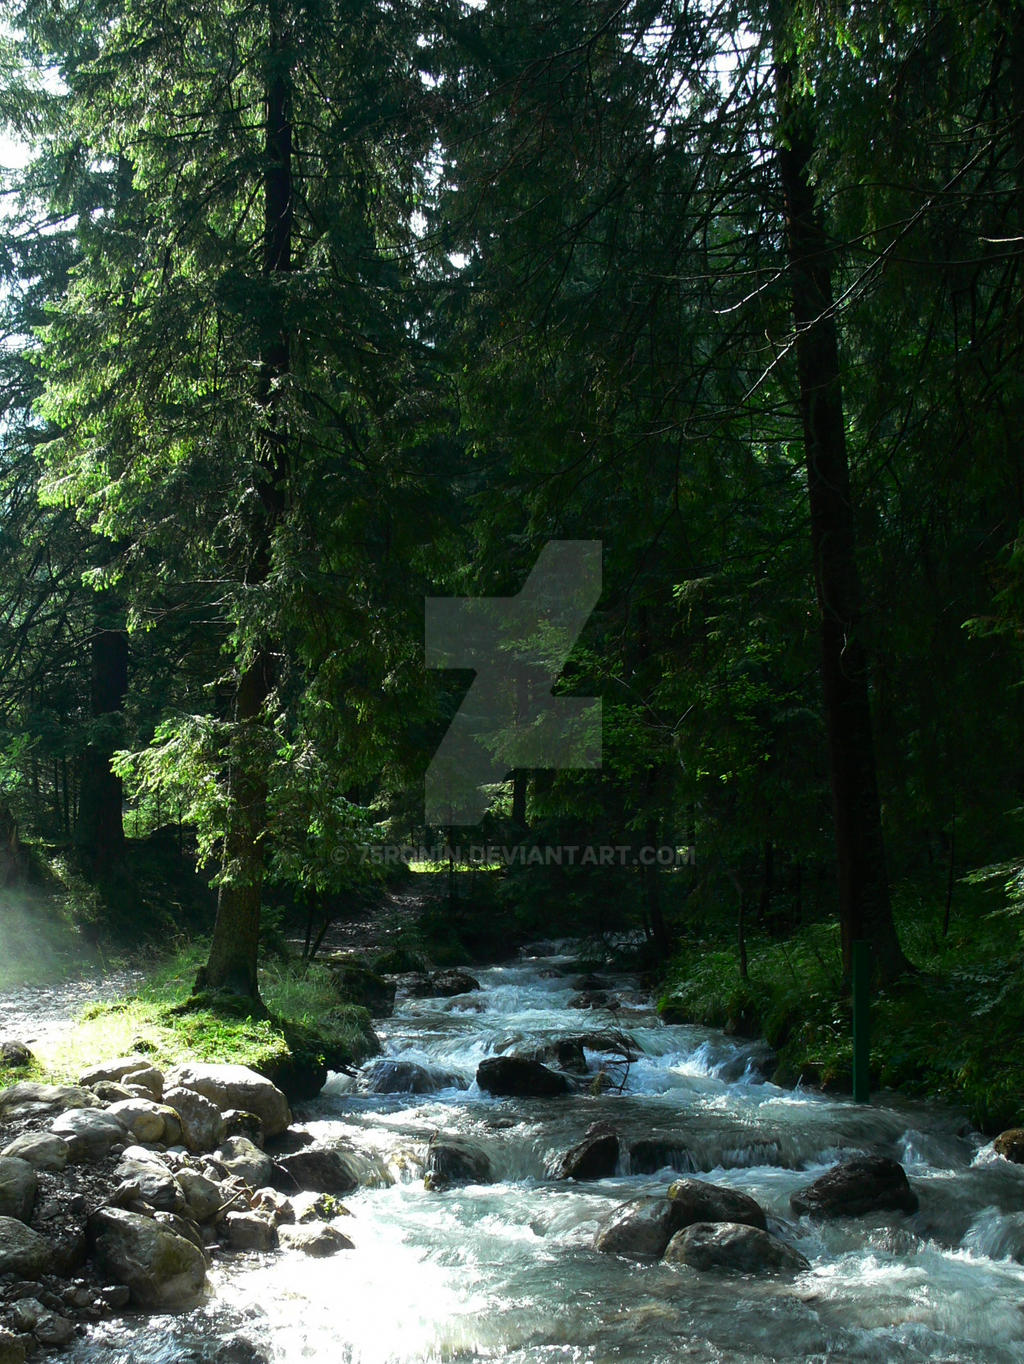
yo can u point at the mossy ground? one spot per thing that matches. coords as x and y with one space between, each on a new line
952 1030
303 1005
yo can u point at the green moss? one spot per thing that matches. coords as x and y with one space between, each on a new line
308 1023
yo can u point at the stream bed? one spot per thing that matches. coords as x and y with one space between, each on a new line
507 1270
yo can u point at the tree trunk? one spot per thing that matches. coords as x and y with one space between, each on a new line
99 830
234 949
864 907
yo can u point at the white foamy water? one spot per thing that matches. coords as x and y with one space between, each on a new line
507 1270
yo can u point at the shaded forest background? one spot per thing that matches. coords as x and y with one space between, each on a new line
313 310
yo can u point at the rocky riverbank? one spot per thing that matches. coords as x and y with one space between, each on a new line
117 1192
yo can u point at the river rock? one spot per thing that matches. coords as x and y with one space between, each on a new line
565 1054
454 1160
1010 1145
14 1054
143 1118
150 1180
41 1150
517 1077
407 1077
23 1251
441 984
203 1196
243 1158
27 1099
18 1185
163 1270
13 1349
590 999
202 1124
230 1086
115 1069
49 1328
699 1201
320 1168
315 1239
733 1246
239 1123
595 1157
181 1226
249 1231
111 1092
89 1132
854 1187
642 1228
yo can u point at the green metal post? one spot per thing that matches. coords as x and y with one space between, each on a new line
861 1022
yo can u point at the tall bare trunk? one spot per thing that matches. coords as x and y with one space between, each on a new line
864 906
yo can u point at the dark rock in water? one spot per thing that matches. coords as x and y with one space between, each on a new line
735 1247
442 984
517 1077
861 1185
590 999
595 1157
589 982
564 1054
407 1077
321 1169
453 1160
652 1154
14 1054
642 1228
550 973
702 1202
1010 1144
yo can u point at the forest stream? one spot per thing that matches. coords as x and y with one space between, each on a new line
507 1270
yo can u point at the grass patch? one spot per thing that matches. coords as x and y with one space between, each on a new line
308 1016
951 1031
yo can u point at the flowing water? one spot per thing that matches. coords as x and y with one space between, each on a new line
507 1270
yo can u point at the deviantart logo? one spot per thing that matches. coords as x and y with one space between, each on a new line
517 646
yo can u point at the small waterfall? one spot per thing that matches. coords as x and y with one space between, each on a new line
506 1268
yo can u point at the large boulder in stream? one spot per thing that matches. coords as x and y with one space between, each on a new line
595 1157
453 1160
407 1077
699 1201
441 984
230 1086
320 1169
520 1078
163 1270
734 1247
642 1228
862 1185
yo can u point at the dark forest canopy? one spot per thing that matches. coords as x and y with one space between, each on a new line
316 310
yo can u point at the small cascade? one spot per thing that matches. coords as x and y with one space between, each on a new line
504 1266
